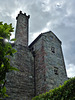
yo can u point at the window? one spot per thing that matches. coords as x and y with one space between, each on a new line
56 70
53 49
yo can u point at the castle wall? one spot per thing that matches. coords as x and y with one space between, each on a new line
50 69
54 61
20 85
40 85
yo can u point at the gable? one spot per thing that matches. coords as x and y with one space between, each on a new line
48 34
52 36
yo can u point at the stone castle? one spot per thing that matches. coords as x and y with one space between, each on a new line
41 64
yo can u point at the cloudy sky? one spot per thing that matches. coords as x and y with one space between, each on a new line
45 15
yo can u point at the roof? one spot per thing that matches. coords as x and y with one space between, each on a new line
40 37
35 40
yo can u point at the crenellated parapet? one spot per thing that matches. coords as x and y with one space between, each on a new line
20 13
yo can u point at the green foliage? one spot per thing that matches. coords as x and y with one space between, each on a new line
64 92
13 40
5 50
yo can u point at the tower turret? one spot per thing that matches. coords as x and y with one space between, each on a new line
22 29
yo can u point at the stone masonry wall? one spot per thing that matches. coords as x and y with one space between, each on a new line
54 61
50 69
20 85
22 29
40 86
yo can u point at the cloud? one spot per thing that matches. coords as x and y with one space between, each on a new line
71 70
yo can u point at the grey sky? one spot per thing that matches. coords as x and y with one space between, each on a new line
55 15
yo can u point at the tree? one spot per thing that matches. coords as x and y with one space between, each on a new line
5 51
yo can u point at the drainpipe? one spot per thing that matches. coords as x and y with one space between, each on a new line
34 75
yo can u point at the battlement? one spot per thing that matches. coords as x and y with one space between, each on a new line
20 13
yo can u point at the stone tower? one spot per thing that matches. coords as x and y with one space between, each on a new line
41 64
50 69
22 29
20 84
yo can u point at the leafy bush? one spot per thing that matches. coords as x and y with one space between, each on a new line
64 92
